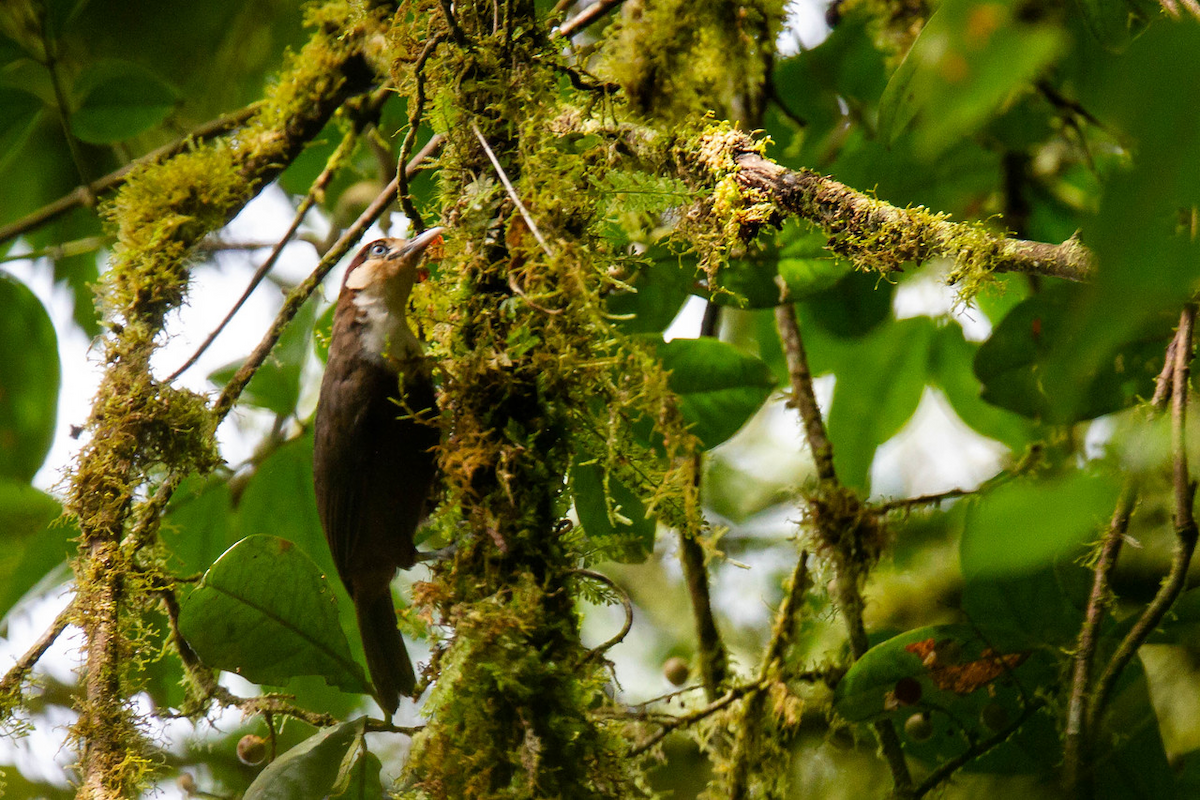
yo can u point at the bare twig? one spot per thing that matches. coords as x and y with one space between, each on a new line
318 189
1185 528
625 602
414 124
586 17
512 192
924 500
803 399
683 720
745 745
977 749
849 570
16 674
81 195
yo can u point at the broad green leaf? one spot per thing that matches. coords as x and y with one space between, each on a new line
29 381
969 59
797 258
660 287
119 100
265 611
312 769
851 307
719 386
276 384
1026 525
967 684
612 515
1018 359
363 781
1147 260
1129 757
1030 609
198 525
876 392
18 117
36 541
1115 23
953 357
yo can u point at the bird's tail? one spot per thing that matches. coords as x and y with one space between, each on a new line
387 659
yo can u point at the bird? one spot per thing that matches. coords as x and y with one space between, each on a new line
373 449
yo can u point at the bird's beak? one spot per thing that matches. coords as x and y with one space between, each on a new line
418 243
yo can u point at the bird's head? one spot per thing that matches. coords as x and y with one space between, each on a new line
375 296
386 269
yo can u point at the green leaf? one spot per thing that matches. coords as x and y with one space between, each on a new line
1018 359
18 117
364 782
198 525
1129 758
119 100
1033 608
312 769
876 392
265 611
798 259
1116 23
611 515
663 283
719 386
969 59
969 687
953 357
29 381
36 541
276 384
852 307
1027 525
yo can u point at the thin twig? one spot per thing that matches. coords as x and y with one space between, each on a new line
683 720
456 32
318 188
512 192
977 749
714 658
746 743
410 137
924 500
16 674
625 602
1089 635
586 17
80 196
1185 528
849 571
803 398
88 244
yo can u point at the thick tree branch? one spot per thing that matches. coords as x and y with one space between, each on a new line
885 237
87 194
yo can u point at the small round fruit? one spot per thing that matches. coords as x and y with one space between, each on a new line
919 727
186 784
907 691
251 750
994 716
676 670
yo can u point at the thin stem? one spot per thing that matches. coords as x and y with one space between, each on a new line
25 664
586 17
849 572
1185 528
318 188
683 720
410 136
84 194
1089 636
803 399
745 746
945 770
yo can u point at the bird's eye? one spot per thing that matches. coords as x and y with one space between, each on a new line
378 249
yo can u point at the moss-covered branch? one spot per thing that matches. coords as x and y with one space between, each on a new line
161 213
